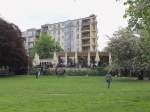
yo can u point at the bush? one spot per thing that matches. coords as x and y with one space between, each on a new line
85 71
98 71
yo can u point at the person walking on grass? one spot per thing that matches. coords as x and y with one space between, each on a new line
38 73
108 79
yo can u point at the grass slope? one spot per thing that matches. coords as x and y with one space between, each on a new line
73 94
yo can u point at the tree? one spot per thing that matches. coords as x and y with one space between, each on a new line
138 12
144 45
45 46
12 51
123 47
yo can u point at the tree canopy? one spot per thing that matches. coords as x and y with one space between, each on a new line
144 45
45 46
130 52
123 47
12 51
130 47
138 12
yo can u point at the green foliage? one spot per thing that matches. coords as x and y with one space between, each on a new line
124 50
99 71
12 51
45 46
144 45
138 12
129 51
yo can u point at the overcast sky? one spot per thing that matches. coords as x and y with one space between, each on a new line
33 13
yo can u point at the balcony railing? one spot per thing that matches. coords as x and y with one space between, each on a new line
85 34
85 48
85 45
85 38
85 23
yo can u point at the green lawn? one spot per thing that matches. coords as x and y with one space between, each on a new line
73 94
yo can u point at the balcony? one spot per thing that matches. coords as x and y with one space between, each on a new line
86 30
86 34
85 22
86 42
87 27
85 38
85 48
86 45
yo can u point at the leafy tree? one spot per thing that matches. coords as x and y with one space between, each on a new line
12 51
45 46
138 12
123 47
144 45
138 15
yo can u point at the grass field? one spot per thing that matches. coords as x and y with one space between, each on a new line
73 94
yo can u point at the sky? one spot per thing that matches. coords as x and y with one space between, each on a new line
34 13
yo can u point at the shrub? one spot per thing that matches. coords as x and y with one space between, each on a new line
85 71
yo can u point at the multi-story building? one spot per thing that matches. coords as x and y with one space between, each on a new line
89 33
72 35
67 34
30 37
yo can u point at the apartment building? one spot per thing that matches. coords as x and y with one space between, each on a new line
30 36
89 33
72 35
67 34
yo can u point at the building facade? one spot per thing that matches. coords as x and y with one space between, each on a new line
67 34
77 35
30 36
